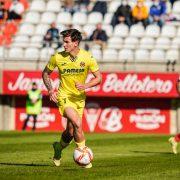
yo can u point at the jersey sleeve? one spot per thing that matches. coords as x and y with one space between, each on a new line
52 63
93 66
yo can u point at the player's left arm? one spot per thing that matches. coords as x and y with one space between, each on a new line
93 82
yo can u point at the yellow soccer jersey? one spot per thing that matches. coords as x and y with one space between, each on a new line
72 71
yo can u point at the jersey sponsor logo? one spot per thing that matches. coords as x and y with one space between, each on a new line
72 71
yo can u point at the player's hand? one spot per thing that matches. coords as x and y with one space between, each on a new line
80 86
53 96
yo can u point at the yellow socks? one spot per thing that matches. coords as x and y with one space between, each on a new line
80 144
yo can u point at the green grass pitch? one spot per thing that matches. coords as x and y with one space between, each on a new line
27 155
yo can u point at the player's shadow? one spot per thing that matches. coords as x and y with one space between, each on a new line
150 152
22 164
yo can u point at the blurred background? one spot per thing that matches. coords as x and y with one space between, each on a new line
137 46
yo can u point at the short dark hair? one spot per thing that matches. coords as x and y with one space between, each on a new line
34 83
73 33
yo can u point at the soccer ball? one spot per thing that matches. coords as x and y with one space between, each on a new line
83 156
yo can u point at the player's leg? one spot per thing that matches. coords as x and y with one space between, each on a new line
78 134
35 120
66 139
76 121
174 142
25 122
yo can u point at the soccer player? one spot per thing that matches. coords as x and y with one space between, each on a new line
176 139
73 65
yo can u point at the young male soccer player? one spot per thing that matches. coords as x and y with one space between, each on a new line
73 65
176 139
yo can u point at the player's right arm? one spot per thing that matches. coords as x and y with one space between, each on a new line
47 80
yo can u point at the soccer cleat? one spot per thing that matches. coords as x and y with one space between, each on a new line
88 166
57 162
57 154
173 144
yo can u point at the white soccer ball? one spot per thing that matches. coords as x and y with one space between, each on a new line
83 156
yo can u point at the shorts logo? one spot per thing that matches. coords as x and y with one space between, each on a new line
82 64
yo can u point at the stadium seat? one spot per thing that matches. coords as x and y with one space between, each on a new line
172 55
157 55
88 29
132 3
41 29
147 43
78 27
169 7
1 53
178 32
53 6
108 28
45 53
31 54
16 53
162 43
168 31
141 55
176 7
131 43
121 30
64 18
26 29
110 55
125 55
97 53
48 17
32 17
38 5
113 6
137 31
107 18
95 17
149 4
79 18
115 43
175 43
61 27
36 41
21 41
152 31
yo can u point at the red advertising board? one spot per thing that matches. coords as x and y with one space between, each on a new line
115 115
129 84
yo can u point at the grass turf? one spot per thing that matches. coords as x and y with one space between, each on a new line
26 155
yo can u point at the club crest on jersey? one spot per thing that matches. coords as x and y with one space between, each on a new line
82 64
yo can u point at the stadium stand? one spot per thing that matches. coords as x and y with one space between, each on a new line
21 40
